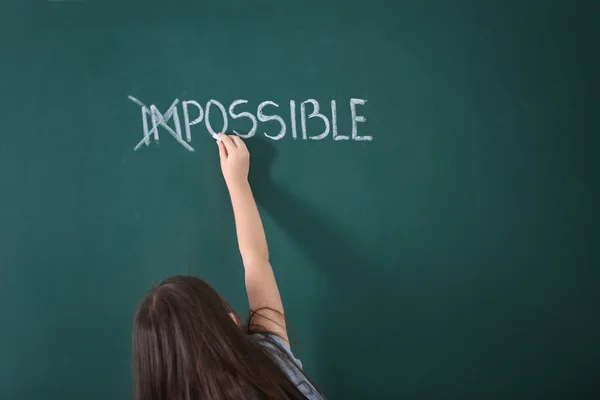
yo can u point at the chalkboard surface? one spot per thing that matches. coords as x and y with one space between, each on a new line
433 224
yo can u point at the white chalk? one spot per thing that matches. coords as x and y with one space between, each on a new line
313 114
246 114
150 114
207 117
357 118
266 118
186 117
136 101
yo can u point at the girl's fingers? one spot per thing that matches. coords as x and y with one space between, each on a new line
238 141
226 140
222 150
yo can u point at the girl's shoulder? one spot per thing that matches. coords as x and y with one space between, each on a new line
277 346
292 366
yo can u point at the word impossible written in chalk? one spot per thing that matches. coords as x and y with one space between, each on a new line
264 113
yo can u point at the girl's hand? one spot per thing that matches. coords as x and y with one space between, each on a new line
235 160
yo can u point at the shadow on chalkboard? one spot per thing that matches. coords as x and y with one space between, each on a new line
362 323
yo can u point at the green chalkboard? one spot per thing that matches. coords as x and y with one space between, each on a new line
434 237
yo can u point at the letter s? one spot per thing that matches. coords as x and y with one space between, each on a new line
265 118
243 114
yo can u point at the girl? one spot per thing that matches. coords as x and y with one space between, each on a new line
189 344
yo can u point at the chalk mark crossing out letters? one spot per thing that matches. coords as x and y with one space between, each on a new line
161 120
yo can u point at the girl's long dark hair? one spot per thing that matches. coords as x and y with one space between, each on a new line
187 346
